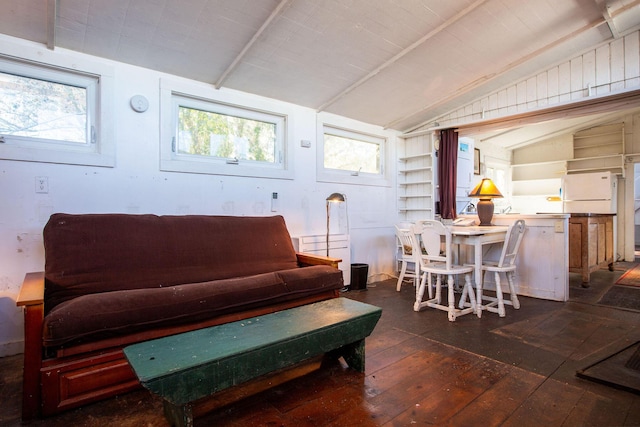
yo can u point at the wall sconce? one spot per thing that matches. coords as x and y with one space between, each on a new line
486 190
333 198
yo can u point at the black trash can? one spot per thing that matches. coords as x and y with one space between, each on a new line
359 273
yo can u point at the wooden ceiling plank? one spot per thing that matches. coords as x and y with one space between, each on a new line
276 12
485 79
404 52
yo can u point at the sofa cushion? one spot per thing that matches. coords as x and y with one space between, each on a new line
108 314
92 253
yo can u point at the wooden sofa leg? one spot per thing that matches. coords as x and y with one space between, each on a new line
178 415
31 398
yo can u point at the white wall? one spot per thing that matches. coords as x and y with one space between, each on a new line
136 185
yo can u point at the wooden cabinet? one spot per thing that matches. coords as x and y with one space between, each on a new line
590 243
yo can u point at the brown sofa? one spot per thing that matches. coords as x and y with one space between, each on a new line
114 279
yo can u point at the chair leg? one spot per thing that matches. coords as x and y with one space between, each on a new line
514 297
403 271
479 306
418 283
501 310
468 290
463 297
420 293
438 297
430 286
452 305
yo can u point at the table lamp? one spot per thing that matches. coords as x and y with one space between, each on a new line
333 198
486 190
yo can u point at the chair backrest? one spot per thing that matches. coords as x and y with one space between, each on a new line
404 238
404 225
436 242
512 244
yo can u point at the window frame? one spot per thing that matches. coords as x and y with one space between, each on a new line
357 132
99 150
173 96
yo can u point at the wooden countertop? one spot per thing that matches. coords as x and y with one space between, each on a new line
591 214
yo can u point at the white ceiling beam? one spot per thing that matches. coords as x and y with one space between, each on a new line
404 52
610 12
622 9
485 79
249 45
605 9
586 107
597 120
52 18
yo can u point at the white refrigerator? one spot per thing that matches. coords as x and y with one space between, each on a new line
590 193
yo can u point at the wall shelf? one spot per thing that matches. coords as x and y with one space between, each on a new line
598 149
415 169
415 156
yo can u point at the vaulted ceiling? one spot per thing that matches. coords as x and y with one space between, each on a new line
395 63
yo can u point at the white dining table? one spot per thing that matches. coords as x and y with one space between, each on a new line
477 237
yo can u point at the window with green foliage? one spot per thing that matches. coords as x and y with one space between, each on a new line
351 152
222 139
206 133
353 155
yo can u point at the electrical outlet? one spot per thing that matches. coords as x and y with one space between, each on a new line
559 227
42 184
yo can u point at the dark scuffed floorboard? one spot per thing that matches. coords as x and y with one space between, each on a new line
422 369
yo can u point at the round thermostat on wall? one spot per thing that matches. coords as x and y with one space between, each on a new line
139 103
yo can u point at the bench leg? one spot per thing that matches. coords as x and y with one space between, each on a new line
178 415
354 355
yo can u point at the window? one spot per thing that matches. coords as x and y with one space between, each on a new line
498 171
219 138
229 137
51 114
347 151
351 156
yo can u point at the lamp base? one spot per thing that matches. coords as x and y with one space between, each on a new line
485 211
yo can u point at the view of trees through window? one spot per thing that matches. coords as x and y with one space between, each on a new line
351 154
206 133
42 109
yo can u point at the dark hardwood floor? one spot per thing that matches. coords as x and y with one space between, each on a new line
422 369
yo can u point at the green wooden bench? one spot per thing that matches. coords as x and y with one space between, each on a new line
187 367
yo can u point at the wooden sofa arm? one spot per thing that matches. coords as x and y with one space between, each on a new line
305 259
31 297
32 291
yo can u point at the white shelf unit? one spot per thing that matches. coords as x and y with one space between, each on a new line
598 149
416 189
539 179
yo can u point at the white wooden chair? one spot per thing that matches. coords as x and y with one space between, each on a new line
409 268
507 265
438 261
